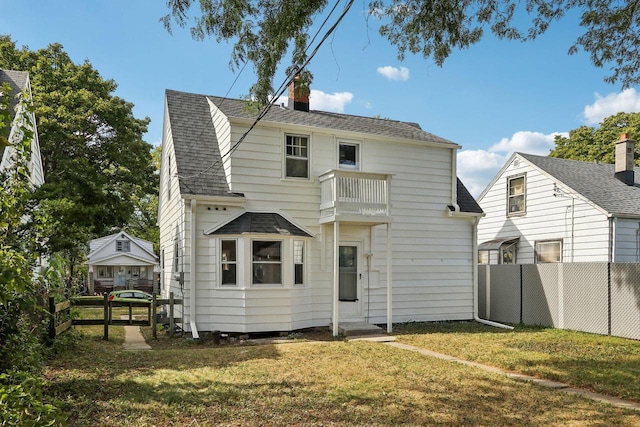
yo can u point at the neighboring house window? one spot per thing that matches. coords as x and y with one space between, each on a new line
549 251
123 246
483 257
135 271
176 258
228 262
349 155
298 262
516 195
508 253
105 272
267 262
297 156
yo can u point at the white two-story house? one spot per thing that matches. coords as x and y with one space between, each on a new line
309 218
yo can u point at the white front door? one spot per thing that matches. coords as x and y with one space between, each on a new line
350 281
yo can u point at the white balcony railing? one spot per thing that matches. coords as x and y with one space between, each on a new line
354 196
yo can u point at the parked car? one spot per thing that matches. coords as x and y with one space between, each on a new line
130 296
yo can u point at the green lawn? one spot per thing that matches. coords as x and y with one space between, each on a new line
599 363
316 383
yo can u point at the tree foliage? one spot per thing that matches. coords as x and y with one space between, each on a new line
96 164
263 31
588 144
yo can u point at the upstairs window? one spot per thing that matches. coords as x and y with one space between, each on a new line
349 155
123 246
297 157
548 251
516 195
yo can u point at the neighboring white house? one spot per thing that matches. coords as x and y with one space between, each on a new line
542 209
19 82
120 261
309 218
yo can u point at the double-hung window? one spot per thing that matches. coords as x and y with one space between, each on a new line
229 262
297 156
267 262
298 262
516 195
548 251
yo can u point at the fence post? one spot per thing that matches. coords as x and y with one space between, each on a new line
171 324
52 319
107 313
154 312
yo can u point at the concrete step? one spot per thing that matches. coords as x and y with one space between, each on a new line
350 329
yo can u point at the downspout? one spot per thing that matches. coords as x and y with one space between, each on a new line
474 239
192 275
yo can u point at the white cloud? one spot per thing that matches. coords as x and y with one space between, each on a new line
393 73
627 101
335 102
476 168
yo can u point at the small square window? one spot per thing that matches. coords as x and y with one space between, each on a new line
123 246
349 155
267 264
549 251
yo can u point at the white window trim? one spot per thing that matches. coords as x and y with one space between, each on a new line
236 263
285 157
524 194
303 263
282 264
358 145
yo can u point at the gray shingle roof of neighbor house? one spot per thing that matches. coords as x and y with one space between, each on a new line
18 81
594 181
261 223
198 157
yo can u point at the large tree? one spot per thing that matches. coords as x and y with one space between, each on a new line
588 143
264 31
96 164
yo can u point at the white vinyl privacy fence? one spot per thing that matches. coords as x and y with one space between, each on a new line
601 298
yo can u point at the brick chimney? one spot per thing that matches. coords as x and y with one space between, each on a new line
624 159
299 95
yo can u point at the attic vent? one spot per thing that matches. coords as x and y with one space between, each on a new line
516 163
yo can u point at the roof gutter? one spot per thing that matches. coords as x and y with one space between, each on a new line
474 238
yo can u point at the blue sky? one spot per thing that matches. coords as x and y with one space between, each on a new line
494 98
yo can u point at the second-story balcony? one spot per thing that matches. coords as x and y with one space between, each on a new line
350 196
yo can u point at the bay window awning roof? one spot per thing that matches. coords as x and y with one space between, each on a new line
495 244
260 223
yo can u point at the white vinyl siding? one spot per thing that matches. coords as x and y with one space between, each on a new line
432 253
548 217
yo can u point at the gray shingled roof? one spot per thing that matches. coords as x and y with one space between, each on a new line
198 158
261 223
465 201
594 181
196 146
18 81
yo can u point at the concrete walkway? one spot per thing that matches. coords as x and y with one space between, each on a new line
133 339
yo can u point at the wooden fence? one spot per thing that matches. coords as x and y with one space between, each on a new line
61 319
